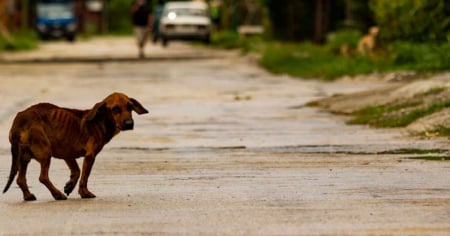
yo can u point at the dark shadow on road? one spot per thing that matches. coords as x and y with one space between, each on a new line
106 59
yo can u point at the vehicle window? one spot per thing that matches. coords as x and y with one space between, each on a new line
55 10
187 12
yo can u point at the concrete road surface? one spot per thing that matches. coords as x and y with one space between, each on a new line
227 149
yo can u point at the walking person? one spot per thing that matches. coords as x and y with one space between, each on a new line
157 13
142 21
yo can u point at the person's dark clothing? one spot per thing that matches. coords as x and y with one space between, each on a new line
140 17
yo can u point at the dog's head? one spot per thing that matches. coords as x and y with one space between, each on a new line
117 108
374 31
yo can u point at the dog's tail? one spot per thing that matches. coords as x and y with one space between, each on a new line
14 164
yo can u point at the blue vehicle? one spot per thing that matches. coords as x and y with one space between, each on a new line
56 19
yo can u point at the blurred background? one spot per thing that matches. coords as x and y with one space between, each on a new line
418 20
413 34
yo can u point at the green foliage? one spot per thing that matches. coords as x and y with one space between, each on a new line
358 15
339 38
418 20
432 158
232 40
25 40
227 40
119 16
421 56
403 120
309 60
414 151
291 20
441 130
366 115
401 114
410 20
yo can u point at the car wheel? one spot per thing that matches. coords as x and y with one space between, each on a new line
207 40
70 37
43 37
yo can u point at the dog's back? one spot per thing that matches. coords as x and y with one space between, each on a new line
61 126
44 129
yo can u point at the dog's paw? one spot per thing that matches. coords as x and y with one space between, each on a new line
69 188
86 194
29 197
57 195
60 197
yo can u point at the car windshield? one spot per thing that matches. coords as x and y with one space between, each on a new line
186 12
55 10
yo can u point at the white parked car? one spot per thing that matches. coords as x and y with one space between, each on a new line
185 21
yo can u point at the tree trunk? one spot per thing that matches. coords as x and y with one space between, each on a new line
24 14
322 20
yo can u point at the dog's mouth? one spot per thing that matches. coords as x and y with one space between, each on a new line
127 125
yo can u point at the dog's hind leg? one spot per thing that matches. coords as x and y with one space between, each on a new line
74 175
24 159
43 178
41 150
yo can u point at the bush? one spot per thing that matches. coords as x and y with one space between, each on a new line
421 56
119 16
343 37
232 40
26 40
418 21
309 60
227 40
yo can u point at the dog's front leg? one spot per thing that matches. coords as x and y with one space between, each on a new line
74 175
87 167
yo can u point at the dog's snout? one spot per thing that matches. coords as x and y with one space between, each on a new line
128 125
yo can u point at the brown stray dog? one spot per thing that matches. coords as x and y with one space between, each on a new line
45 130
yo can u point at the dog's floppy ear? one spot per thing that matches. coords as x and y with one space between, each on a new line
137 107
99 107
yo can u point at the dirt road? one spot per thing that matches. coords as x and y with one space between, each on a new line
226 149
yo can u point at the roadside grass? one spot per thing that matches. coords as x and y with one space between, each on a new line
232 40
381 116
421 154
431 158
439 131
420 56
24 40
403 113
308 60
414 151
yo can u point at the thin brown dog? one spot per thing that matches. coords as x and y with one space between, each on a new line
45 130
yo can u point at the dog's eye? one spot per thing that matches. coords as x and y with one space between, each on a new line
129 107
116 110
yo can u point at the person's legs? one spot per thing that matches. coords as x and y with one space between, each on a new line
141 37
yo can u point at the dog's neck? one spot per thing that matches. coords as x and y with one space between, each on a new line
108 129
103 129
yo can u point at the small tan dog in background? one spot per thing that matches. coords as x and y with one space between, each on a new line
367 43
